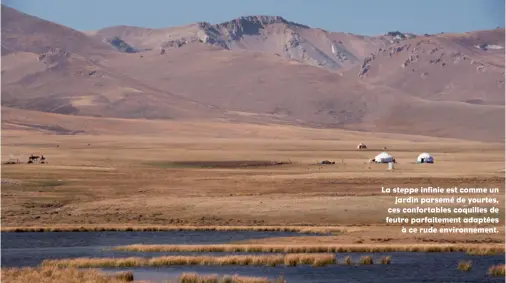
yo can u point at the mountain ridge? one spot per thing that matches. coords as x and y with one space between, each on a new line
273 72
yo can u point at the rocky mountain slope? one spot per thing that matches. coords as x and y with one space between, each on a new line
272 34
442 67
252 70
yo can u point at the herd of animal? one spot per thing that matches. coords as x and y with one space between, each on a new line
35 158
31 159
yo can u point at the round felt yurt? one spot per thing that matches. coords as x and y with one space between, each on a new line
383 157
425 158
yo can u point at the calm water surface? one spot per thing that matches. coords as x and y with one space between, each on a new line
404 268
29 249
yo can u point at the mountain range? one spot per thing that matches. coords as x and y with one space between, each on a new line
259 69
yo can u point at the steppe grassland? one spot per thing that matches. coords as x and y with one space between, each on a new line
126 179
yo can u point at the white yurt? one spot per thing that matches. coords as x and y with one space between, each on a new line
383 157
425 158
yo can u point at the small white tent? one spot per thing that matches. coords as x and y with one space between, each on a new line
383 157
425 158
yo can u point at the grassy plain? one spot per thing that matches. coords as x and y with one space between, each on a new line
198 173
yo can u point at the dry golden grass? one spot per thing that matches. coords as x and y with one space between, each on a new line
60 275
124 275
322 248
366 260
485 250
385 259
465 265
496 270
270 260
130 182
197 278
320 260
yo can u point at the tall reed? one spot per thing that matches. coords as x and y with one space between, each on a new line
484 250
290 248
60 275
196 278
289 260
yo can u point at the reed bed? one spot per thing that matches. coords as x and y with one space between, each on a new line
465 265
297 229
321 260
57 275
125 276
196 278
376 248
269 260
485 251
496 270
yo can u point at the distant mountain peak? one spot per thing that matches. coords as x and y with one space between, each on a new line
263 19
259 20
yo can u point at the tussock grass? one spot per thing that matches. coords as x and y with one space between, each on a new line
465 265
347 260
496 270
366 259
324 261
57 275
385 259
125 276
297 229
321 260
270 260
489 249
196 278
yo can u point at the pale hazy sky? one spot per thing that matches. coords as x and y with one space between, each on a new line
368 17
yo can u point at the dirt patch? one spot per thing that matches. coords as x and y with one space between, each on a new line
218 164
48 183
55 129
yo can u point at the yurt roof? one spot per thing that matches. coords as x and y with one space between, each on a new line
383 154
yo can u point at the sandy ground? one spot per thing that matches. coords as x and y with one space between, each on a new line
127 179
